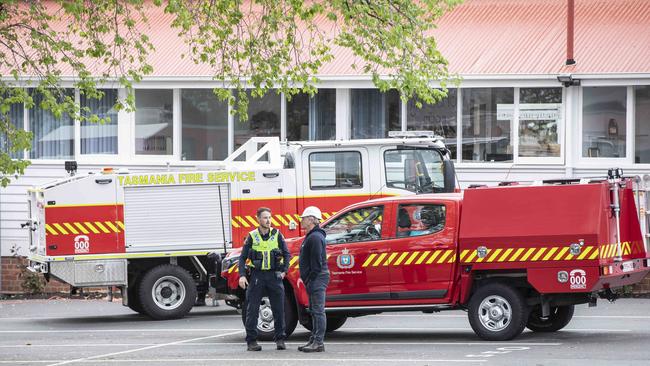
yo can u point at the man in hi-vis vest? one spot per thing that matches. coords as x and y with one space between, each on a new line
269 259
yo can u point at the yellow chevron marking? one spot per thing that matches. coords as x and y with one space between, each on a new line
401 258
357 216
585 252
282 220
471 256
516 255
539 253
50 230
297 216
390 259
505 255
120 224
561 254
433 256
494 255
251 220
234 223
444 256
275 222
326 215
626 248
595 254
528 253
290 218
242 221
81 228
612 250
569 256
463 254
112 226
91 227
423 257
61 229
411 258
293 261
550 253
479 259
380 259
232 268
370 258
452 259
102 227
71 228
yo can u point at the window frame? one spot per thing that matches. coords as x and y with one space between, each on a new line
312 188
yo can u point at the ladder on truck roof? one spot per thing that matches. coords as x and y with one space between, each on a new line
255 151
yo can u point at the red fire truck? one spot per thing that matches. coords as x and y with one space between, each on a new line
512 256
154 234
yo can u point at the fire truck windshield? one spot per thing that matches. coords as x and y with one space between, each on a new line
415 170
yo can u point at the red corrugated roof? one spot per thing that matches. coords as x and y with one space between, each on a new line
489 37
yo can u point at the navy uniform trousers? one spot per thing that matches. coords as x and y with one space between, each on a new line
264 283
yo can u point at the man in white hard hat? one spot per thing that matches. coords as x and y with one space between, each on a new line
315 275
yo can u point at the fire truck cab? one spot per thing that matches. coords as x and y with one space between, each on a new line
160 235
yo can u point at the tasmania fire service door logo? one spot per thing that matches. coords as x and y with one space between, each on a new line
345 260
81 244
578 279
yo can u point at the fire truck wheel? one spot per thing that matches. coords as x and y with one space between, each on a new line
559 317
333 323
497 312
265 324
167 291
134 298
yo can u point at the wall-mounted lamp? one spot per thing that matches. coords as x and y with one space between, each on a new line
568 80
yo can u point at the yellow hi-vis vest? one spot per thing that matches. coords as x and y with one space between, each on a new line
264 247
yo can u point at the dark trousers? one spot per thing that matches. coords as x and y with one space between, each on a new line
316 291
264 283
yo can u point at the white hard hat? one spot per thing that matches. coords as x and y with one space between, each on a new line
312 211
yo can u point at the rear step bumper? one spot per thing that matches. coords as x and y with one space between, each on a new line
624 273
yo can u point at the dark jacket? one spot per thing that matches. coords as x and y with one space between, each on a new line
313 255
248 245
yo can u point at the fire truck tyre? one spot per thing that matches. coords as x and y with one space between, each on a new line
497 312
559 318
134 298
167 291
333 323
265 325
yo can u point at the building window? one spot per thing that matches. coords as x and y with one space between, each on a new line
312 118
13 118
154 132
335 170
540 117
53 138
263 118
374 113
441 118
204 125
642 123
99 138
487 124
603 122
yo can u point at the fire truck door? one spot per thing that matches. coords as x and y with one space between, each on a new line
356 256
424 251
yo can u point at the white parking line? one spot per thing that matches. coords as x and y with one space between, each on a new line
250 360
345 329
202 344
86 359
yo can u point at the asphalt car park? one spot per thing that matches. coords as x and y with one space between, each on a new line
62 332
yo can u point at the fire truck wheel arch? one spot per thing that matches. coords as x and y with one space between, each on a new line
497 312
167 291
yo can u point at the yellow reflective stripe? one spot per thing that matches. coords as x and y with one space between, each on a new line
401 258
550 253
232 268
102 227
390 258
471 256
495 255
243 222
479 259
381 258
561 254
293 261
585 252
528 253
539 253
463 254
516 255
434 256
50 230
290 218
82 228
505 255
423 257
444 256
370 258
71 228
91 227
594 255
120 224
357 216
326 215
452 259
411 258
234 223
251 220
274 222
281 219
113 227
61 229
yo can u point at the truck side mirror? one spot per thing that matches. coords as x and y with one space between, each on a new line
449 175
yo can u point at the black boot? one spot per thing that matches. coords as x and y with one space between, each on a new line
314 347
280 345
253 346
305 345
